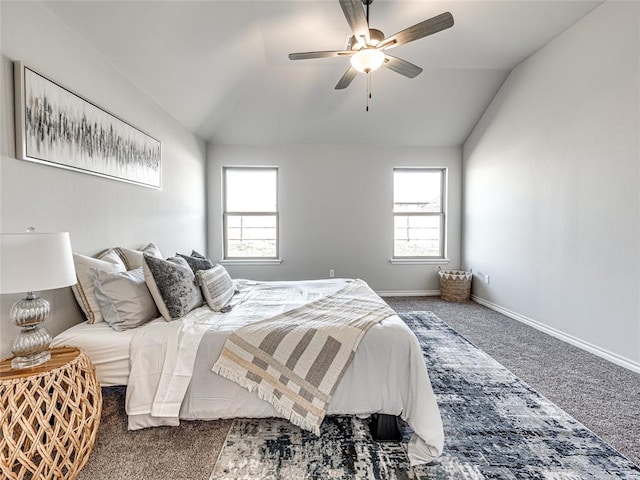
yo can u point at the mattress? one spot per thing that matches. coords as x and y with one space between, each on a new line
107 349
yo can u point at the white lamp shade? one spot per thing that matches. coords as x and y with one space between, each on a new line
32 262
367 60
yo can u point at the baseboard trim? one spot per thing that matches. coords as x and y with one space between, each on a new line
409 293
565 337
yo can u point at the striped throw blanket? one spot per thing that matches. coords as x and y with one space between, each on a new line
296 359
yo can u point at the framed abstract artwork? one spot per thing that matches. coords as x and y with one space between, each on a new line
57 127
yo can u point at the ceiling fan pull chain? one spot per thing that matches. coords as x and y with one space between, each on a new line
368 89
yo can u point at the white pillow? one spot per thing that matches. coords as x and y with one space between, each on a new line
133 258
172 286
124 299
84 290
217 287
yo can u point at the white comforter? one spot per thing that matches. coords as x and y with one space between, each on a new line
171 375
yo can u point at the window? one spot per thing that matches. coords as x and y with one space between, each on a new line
418 212
250 212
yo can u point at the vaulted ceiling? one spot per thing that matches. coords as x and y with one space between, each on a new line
221 67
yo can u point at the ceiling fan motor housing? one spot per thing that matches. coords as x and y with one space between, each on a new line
375 35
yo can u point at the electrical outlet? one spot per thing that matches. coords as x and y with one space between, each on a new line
332 273
483 277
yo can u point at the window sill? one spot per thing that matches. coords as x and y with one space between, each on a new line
419 261
252 261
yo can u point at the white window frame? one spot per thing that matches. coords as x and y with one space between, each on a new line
441 257
226 259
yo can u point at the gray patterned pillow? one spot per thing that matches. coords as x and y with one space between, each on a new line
217 288
197 262
171 283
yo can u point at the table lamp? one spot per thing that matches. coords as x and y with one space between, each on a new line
31 262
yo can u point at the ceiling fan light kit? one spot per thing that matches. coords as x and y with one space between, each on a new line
367 60
367 46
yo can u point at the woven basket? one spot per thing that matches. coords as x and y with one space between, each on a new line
455 285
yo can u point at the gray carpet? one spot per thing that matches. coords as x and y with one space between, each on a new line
187 452
604 397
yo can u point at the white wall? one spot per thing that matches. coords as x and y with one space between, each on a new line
551 188
98 212
336 212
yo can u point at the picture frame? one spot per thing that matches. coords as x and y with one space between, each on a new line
57 127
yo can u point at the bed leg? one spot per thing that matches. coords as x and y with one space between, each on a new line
385 428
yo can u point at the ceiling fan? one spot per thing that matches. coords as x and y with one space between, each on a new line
367 46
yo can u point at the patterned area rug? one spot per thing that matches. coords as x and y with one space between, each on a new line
496 427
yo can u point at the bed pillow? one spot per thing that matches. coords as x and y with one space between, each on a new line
197 262
84 291
124 298
132 259
217 288
172 286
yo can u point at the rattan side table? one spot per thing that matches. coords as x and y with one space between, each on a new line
49 416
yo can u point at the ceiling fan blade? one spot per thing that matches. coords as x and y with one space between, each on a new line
356 18
325 54
419 30
347 78
402 67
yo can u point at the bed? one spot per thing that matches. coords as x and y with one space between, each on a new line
167 366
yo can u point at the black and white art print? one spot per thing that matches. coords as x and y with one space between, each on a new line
56 127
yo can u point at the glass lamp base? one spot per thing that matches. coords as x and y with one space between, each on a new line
30 346
31 360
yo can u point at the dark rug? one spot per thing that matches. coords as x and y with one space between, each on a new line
496 427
